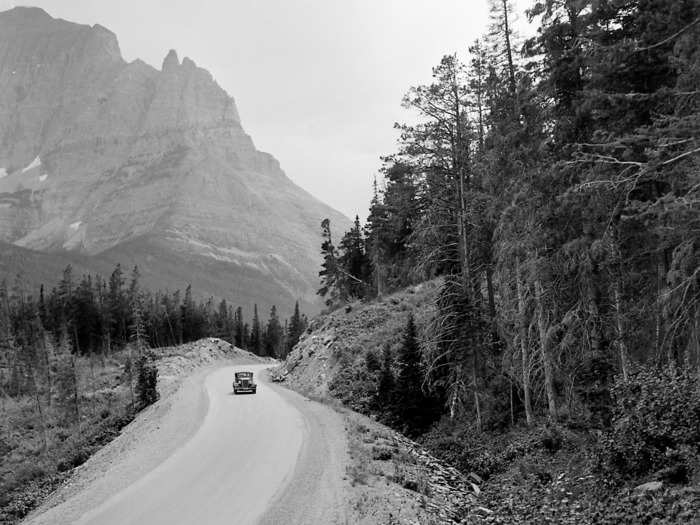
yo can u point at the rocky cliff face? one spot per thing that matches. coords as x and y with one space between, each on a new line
121 161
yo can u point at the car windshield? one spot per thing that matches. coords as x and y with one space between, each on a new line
244 375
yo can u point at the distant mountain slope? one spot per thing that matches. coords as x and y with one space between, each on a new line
37 268
121 162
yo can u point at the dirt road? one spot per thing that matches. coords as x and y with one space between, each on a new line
272 457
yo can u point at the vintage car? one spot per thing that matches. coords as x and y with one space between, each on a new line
243 383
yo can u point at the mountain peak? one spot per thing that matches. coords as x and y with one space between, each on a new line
171 61
26 13
101 156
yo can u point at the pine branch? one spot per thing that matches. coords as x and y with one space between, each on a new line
681 156
348 274
668 39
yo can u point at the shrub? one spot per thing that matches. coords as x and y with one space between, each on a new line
551 439
382 453
354 386
28 472
655 424
372 362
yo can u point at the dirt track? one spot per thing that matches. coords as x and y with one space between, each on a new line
273 457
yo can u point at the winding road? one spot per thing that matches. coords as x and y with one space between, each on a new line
269 458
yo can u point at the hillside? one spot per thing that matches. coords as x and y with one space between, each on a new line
337 344
122 162
547 473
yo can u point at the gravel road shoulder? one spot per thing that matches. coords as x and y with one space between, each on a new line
317 491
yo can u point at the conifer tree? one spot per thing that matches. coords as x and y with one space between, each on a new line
65 381
146 372
118 306
256 343
146 379
329 274
390 228
240 340
386 382
413 407
295 329
273 335
353 264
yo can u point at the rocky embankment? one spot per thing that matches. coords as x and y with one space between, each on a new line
395 480
345 337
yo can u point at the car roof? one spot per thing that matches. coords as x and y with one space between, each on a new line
244 373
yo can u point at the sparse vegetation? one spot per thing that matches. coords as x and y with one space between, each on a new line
42 442
393 480
40 449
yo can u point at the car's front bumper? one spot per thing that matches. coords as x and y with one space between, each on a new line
244 390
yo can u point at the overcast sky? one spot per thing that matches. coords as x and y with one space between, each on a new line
318 83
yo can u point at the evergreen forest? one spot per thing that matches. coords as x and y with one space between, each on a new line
551 185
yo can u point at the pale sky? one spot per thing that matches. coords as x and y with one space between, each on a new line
318 83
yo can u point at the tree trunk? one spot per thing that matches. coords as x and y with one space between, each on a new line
617 298
622 347
522 328
378 273
480 110
663 322
592 299
76 399
131 378
108 343
545 338
477 406
512 410
492 300
696 337
47 363
458 164
509 51
37 401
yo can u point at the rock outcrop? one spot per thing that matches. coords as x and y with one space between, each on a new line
131 164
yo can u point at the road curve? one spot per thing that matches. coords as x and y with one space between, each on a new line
256 458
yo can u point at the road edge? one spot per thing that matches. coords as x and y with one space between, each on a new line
316 491
151 438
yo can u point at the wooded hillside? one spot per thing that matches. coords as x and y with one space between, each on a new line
553 184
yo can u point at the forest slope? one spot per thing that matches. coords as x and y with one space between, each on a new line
546 473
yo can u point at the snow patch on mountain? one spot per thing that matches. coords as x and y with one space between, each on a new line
75 225
3 172
34 164
43 177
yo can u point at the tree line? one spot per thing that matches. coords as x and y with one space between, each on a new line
93 316
552 184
